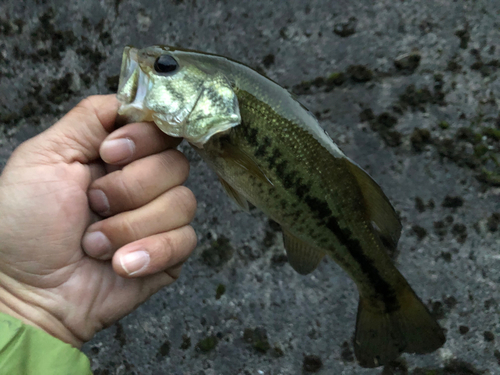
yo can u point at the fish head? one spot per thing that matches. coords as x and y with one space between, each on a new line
183 92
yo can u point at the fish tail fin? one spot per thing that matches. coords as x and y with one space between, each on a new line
382 336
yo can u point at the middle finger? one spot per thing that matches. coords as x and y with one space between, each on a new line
138 183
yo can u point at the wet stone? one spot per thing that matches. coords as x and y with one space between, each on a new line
493 222
359 73
221 289
312 363
489 303
346 353
258 338
496 353
398 367
419 204
416 99
460 232
366 115
450 302
419 138
112 83
408 63
279 259
446 256
463 330
277 352
120 334
444 125
464 36
207 344
268 60
440 228
454 367
386 120
437 310
219 253
346 29
186 342
335 79
163 350
488 336
452 202
420 232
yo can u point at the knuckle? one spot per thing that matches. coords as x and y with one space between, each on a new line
122 228
185 201
120 193
191 238
23 148
176 164
85 105
166 246
128 191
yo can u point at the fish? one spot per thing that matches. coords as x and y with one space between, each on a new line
269 151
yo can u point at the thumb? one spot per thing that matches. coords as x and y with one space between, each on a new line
78 135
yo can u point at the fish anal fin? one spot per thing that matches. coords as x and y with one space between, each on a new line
239 199
239 159
382 336
302 257
381 213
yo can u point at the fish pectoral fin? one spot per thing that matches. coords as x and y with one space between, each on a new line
238 198
302 257
382 214
241 160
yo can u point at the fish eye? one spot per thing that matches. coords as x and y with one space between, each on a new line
165 64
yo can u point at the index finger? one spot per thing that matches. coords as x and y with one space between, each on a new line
135 141
78 135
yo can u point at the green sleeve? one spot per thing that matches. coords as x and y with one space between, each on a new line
26 350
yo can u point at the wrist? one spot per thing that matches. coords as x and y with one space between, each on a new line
23 305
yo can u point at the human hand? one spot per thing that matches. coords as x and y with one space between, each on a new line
71 270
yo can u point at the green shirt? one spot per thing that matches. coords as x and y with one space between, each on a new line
26 350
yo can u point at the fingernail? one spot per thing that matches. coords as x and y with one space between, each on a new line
96 244
134 262
117 150
98 201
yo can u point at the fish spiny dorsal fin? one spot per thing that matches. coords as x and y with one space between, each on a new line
239 159
239 199
302 257
381 213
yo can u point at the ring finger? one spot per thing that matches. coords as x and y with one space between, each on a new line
173 209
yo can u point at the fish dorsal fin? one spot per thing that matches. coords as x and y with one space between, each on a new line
302 257
241 160
239 199
382 215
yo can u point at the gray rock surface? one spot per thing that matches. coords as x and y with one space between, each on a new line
409 90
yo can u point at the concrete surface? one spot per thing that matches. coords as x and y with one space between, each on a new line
353 63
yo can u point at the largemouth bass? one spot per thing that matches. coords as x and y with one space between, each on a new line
269 150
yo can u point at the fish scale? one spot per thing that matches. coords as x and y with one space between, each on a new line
268 149
250 137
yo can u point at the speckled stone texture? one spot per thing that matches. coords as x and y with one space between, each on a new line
408 89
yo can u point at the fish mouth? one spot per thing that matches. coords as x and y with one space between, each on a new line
133 87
